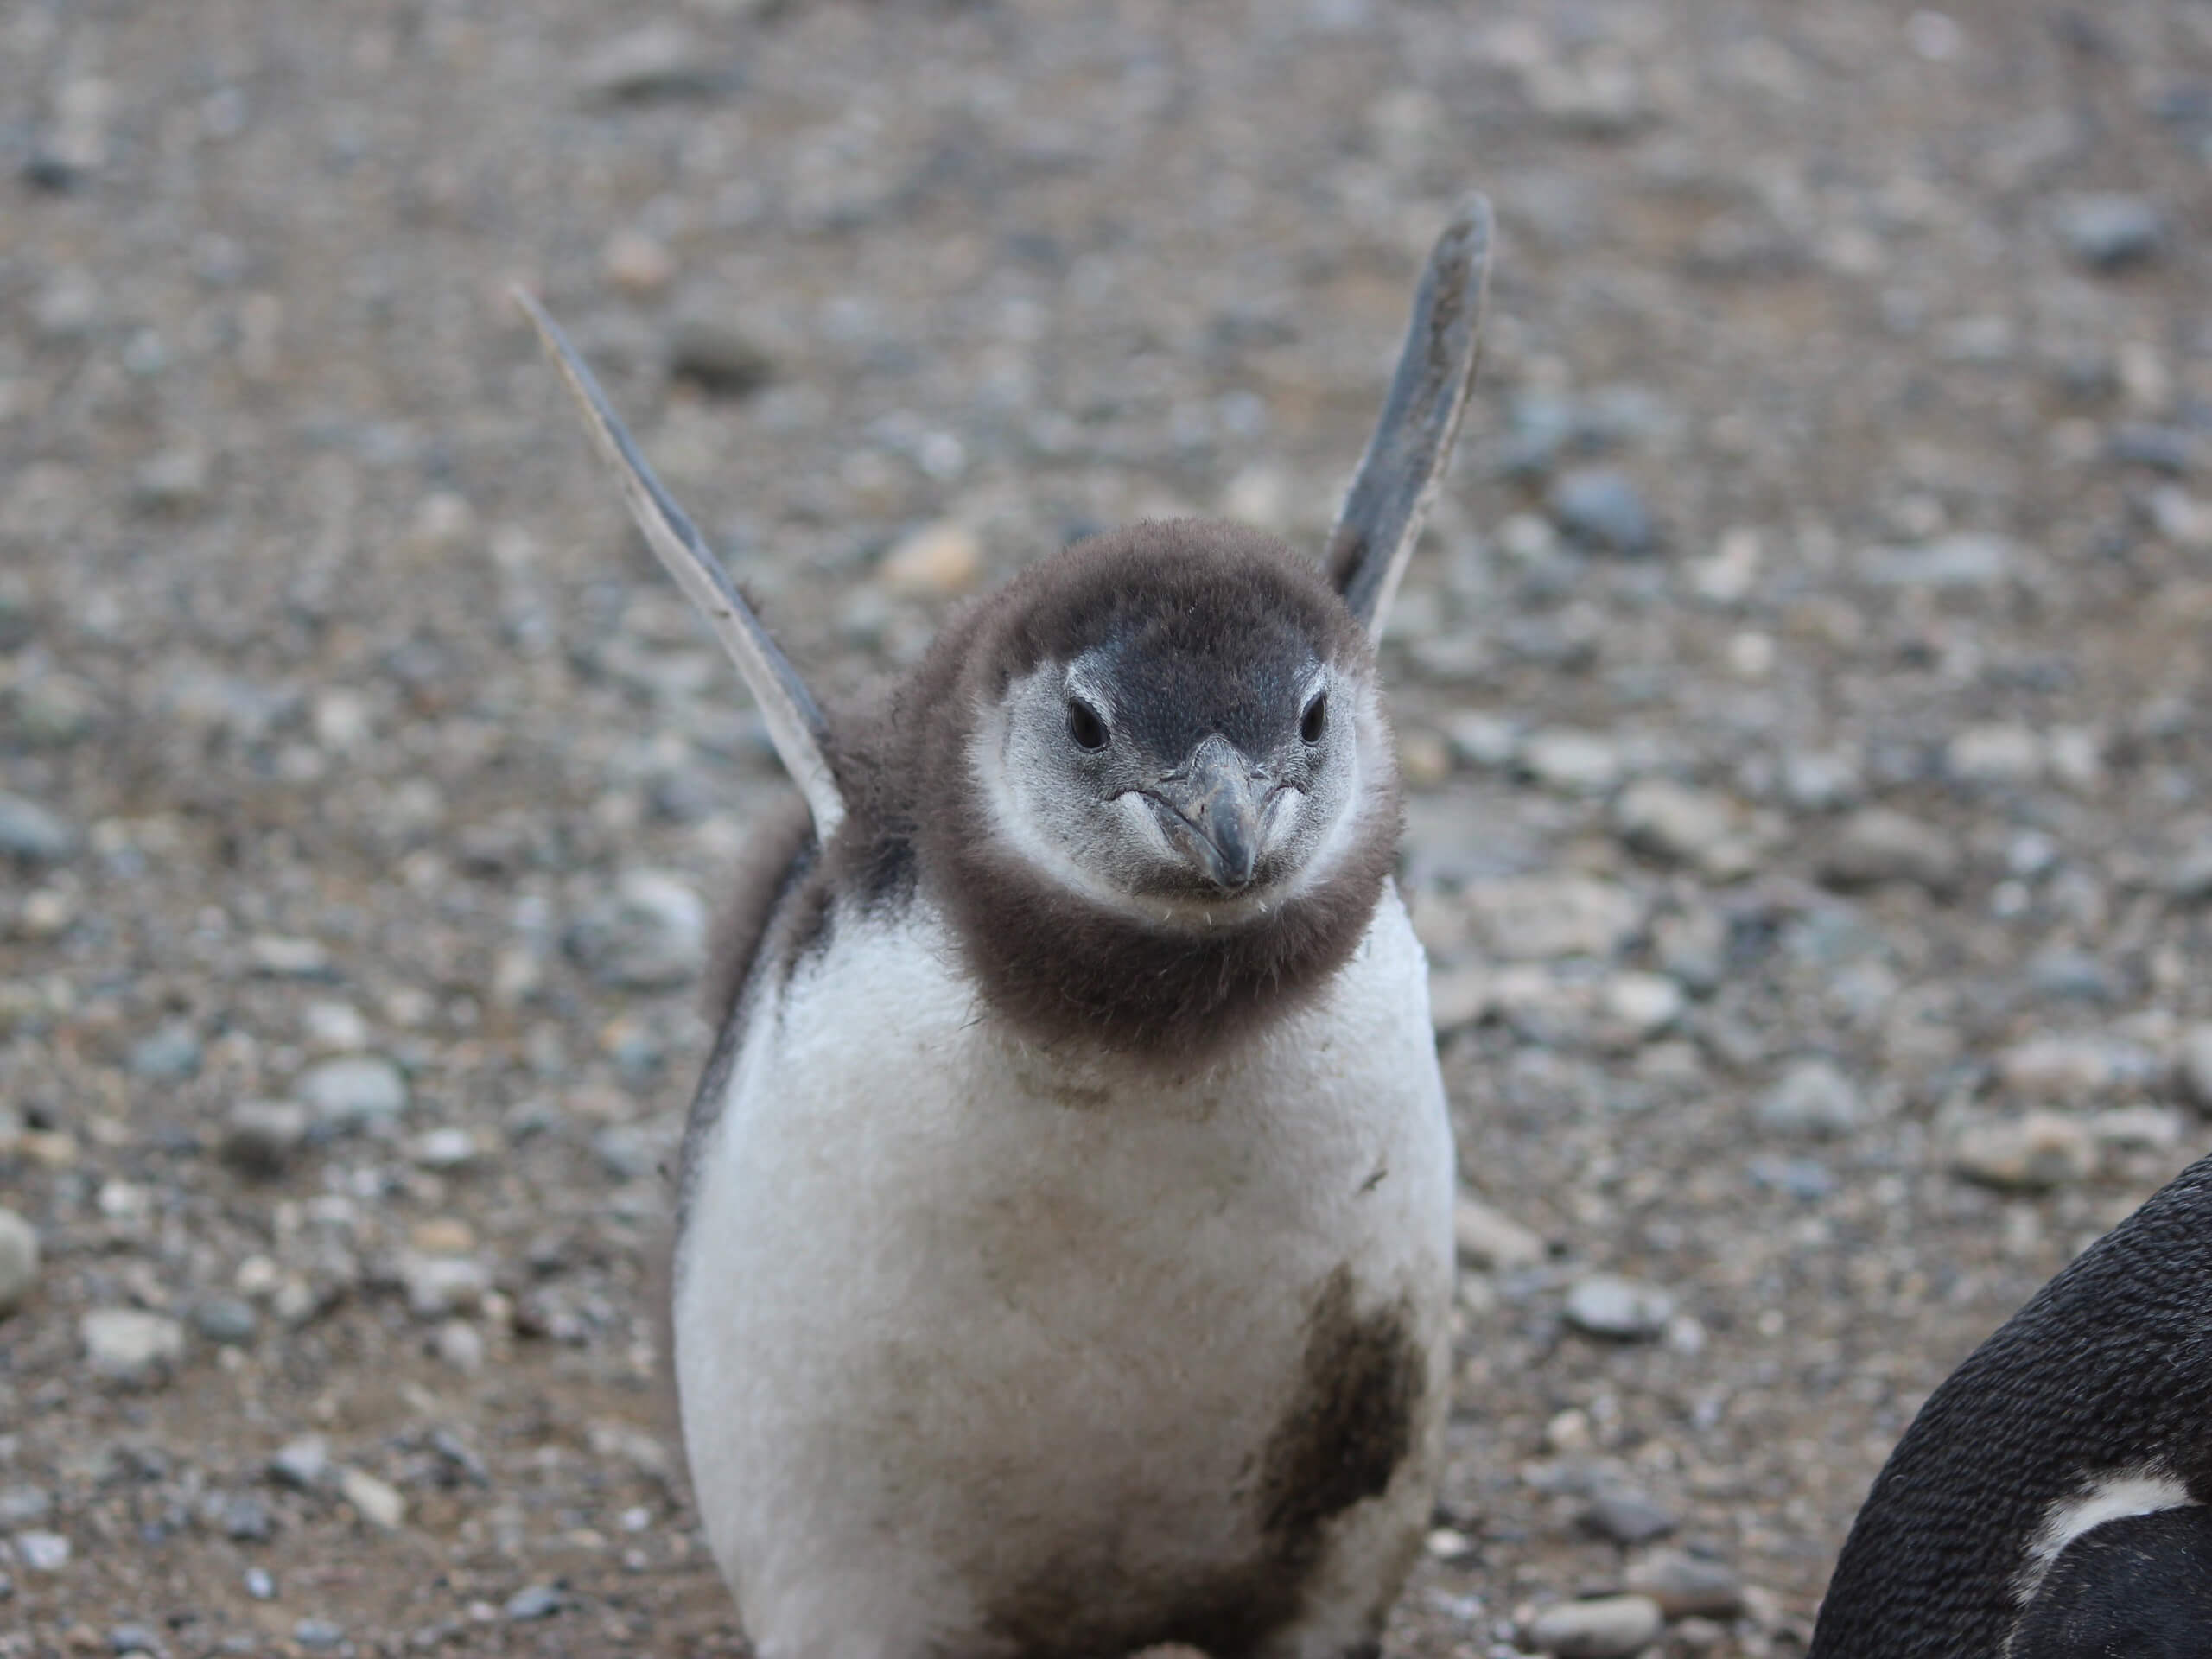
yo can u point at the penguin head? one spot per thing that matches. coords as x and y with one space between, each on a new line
1180 723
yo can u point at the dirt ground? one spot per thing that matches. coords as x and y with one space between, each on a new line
1800 680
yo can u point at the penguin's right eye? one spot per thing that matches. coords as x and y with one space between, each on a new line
1086 726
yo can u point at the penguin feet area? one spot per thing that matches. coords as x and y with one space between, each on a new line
1796 697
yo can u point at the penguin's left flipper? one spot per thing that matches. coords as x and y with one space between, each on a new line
795 723
2139 1586
1412 437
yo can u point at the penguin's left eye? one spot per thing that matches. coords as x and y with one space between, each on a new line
1315 719
1086 726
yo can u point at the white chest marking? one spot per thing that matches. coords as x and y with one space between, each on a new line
2142 1492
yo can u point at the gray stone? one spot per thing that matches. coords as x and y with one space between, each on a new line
2196 1065
353 1092
229 1320
1812 1099
1601 507
2106 230
661 59
168 1055
19 1259
41 1552
1687 1585
302 1464
1572 762
1994 756
538 1601
1816 780
246 1519
318 1635
719 356
260 1136
648 933
1543 917
1607 1627
1877 844
33 832
1708 832
1627 1517
626 1151
2076 1068
123 1344
132 1638
438 1286
259 1583
2071 976
173 481
1968 560
2027 1154
23 1506
461 1345
1606 1305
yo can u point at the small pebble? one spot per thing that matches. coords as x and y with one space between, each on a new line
1545 918
1607 1305
259 1584
1602 507
1877 844
173 481
1609 1627
23 1506
246 1519
938 559
1686 1586
379 1501
438 1286
2028 1155
318 1635
647 933
656 60
1812 1099
302 1464
2196 1065
353 1092
277 956
1627 1517
41 1552
1489 1238
2073 1068
637 265
1697 827
168 1055
260 1136
123 1344
2107 230
461 1345
717 357
1573 763
34 833
1961 562
19 1261
229 1320
538 1601
447 1147
131 1638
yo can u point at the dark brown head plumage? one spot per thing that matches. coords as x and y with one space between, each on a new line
1210 622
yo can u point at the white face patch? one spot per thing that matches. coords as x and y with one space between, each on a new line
2111 1498
1109 847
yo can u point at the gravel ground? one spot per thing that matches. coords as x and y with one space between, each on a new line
1811 825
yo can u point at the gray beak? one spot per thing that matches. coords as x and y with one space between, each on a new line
1210 809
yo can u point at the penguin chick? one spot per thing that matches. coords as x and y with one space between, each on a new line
2048 1501
1065 1245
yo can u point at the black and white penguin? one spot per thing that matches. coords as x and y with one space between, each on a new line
1064 1252
2049 1500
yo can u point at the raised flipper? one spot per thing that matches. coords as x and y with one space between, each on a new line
1412 437
794 719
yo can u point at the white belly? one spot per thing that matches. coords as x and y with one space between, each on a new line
962 1325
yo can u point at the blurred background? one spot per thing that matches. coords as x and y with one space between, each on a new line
1800 684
